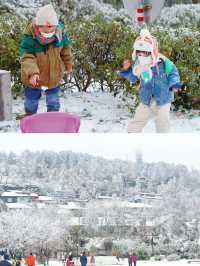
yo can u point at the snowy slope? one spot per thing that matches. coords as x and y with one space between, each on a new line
111 261
102 113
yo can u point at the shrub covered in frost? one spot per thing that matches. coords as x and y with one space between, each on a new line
90 8
11 28
68 9
187 16
124 246
173 257
100 47
143 254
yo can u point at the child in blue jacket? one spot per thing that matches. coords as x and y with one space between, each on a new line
158 77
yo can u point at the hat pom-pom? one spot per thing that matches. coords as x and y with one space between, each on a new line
145 32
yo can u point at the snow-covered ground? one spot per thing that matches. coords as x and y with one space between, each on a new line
102 113
111 261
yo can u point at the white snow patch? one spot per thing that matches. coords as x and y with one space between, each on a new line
3 71
111 261
100 112
18 205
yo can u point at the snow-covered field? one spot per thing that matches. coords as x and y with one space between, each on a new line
111 261
102 113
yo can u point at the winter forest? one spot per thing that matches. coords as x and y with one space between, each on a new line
102 35
152 208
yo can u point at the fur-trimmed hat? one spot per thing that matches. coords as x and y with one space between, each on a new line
46 16
146 42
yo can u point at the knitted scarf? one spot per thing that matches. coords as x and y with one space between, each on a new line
41 39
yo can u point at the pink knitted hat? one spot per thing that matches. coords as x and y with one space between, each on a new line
147 43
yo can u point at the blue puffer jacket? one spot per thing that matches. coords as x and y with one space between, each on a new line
83 260
161 87
5 263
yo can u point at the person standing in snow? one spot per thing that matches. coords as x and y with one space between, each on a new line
117 258
30 260
134 259
130 259
5 261
69 261
83 259
158 77
14 260
92 260
45 53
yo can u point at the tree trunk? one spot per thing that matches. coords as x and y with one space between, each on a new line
5 96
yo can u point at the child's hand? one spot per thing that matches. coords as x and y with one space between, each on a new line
126 64
69 69
179 88
34 80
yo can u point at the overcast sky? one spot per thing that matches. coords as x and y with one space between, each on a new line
184 148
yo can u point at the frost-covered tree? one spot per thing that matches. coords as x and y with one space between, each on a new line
40 231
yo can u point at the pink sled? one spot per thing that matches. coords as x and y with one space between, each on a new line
51 122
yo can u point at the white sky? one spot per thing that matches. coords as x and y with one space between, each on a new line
175 148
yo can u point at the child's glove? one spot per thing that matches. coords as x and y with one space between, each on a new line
126 65
183 90
179 87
